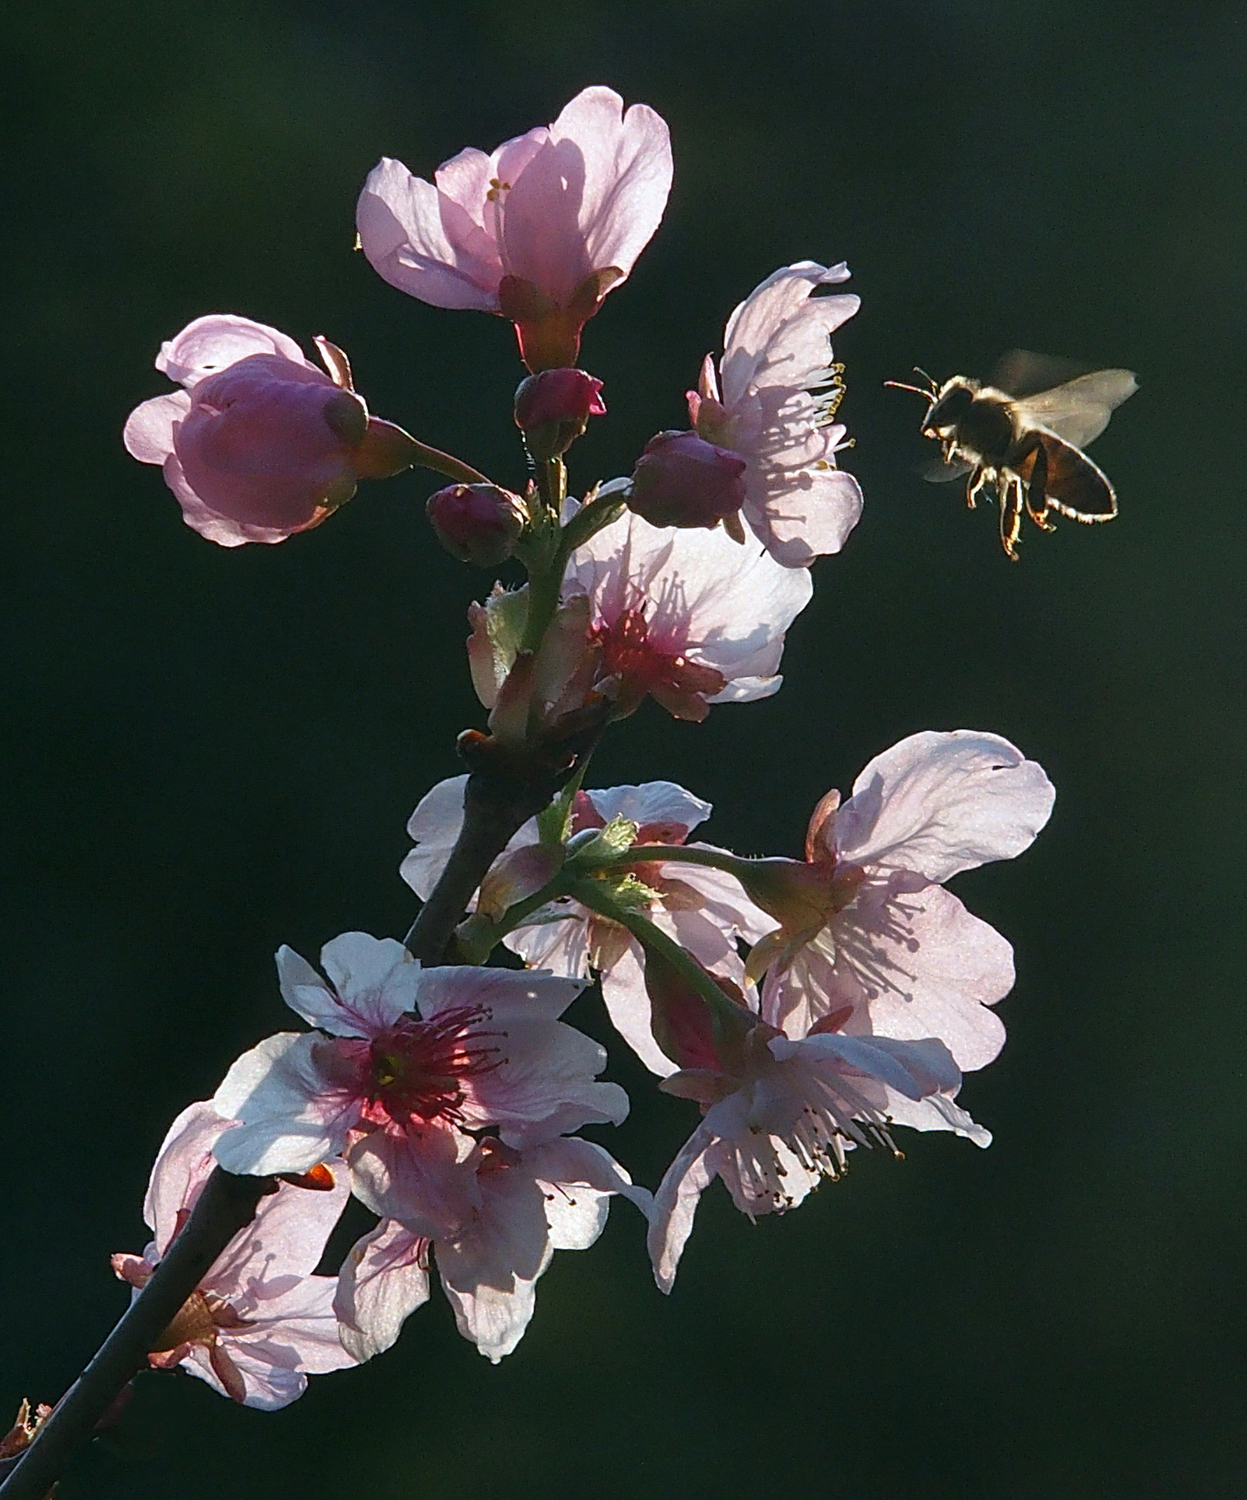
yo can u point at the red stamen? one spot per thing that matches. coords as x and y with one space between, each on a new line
418 1067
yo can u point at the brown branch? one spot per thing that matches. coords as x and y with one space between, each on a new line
496 803
226 1205
500 796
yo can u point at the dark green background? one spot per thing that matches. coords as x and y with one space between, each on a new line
211 753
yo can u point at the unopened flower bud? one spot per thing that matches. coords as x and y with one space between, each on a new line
682 480
553 409
477 523
261 444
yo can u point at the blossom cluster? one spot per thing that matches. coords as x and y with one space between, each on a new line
803 1007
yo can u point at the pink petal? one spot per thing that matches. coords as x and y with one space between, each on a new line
510 995
628 1005
203 519
651 802
148 433
561 946
434 826
183 1164
928 968
939 803
422 242
297 1327
291 1116
418 1178
579 1177
627 174
778 334
286 1238
383 1280
545 1085
913 1069
723 899
377 979
211 344
675 1205
803 512
489 1271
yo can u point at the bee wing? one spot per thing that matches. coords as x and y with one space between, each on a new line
938 472
1022 372
1078 411
1072 484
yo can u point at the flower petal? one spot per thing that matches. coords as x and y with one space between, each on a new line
418 1178
384 1279
627 174
675 1205
579 1177
211 344
909 965
148 433
651 802
183 1164
377 979
291 1115
435 825
421 241
778 334
286 1238
510 995
939 803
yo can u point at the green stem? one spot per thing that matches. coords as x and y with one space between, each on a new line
446 463
543 554
591 893
477 937
716 859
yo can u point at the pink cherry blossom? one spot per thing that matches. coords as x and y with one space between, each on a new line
780 1112
519 1206
538 232
260 1322
413 1058
261 444
703 909
689 617
776 357
882 948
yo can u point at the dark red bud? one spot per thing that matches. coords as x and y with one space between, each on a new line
682 480
477 523
553 409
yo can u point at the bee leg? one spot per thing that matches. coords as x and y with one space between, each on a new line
1010 516
1036 498
974 484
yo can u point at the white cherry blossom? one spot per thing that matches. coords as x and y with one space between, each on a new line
260 1322
891 952
689 617
765 405
519 1206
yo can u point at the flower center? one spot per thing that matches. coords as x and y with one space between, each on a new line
418 1067
644 667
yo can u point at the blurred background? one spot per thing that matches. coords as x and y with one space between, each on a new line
211 753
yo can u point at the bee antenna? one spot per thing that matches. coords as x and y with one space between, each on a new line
899 385
930 379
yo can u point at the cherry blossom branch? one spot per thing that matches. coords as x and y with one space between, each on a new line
226 1205
494 808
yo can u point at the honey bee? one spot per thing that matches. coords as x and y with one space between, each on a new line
1022 436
